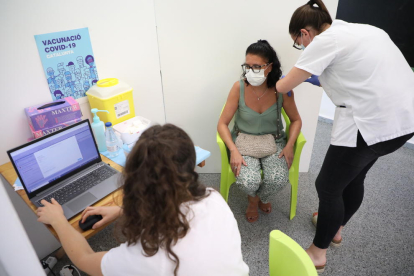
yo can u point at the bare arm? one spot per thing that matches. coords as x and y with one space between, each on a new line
75 245
295 77
230 109
223 128
291 110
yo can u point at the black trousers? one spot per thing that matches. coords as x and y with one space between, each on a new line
340 183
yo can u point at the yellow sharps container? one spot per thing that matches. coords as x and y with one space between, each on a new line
116 97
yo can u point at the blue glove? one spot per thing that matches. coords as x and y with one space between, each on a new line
290 92
314 80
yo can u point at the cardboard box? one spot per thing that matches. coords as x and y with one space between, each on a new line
47 116
48 130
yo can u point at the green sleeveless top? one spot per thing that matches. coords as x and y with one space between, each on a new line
251 122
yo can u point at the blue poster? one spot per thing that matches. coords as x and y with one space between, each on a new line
68 62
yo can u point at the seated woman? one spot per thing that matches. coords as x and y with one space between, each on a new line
257 110
172 224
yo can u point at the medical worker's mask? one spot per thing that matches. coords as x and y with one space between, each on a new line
303 46
256 79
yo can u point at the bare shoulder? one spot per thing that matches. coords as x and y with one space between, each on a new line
236 87
234 93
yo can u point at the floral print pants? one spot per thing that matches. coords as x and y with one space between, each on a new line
275 175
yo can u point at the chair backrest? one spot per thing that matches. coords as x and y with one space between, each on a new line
287 258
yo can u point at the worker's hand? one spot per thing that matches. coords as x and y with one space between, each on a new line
314 80
287 152
236 161
108 213
51 213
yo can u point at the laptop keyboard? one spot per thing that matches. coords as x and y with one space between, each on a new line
80 185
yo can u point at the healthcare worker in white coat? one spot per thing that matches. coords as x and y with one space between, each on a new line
368 79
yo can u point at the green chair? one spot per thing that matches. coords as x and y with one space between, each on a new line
228 178
287 258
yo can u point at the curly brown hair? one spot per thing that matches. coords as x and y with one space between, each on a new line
158 177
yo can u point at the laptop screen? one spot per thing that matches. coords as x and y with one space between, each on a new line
55 156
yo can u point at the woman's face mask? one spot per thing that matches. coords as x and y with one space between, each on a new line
256 79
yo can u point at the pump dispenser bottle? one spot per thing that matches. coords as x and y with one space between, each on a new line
98 128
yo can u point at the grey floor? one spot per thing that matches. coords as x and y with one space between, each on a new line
377 241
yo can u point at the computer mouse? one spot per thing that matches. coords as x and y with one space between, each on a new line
89 222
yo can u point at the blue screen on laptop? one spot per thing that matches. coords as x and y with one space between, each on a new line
49 159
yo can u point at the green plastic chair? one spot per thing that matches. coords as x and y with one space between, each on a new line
287 258
228 178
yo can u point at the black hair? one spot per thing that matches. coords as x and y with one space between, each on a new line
309 15
263 49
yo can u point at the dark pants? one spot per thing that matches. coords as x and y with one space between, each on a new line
340 183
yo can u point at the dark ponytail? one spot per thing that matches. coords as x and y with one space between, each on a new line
309 15
263 49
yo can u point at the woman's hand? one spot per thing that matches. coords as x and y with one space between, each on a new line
51 213
287 152
236 160
108 213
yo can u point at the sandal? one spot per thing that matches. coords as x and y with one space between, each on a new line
334 243
265 207
320 268
252 216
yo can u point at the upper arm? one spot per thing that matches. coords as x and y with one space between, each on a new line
91 263
290 108
295 77
232 104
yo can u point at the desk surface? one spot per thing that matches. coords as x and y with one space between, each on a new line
115 198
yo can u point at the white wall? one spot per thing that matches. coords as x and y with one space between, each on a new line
327 109
123 39
202 45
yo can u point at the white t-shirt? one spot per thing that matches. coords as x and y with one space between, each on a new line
212 246
361 68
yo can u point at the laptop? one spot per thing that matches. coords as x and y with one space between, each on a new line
64 165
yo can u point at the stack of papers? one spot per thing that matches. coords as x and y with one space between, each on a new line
18 185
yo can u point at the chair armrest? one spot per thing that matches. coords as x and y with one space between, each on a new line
223 152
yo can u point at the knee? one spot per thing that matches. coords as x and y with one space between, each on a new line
276 175
326 190
249 178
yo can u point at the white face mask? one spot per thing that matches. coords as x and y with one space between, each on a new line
256 79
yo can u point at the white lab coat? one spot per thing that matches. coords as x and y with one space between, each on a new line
361 68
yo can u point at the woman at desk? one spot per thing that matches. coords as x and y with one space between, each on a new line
370 82
257 110
172 224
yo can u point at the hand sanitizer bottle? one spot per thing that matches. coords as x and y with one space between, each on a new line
98 129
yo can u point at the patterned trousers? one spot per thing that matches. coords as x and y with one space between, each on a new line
275 175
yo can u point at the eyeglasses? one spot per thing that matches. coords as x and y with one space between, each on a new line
297 46
255 68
